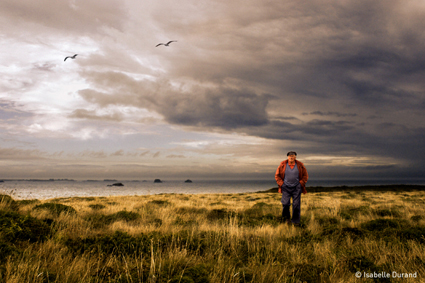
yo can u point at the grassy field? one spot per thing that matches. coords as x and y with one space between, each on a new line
214 238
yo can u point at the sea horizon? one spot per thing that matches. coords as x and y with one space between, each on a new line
311 182
58 188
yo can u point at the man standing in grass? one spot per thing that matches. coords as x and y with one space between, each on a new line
291 176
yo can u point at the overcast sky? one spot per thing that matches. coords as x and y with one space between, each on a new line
340 82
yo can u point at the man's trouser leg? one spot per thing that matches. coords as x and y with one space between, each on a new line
286 203
296 204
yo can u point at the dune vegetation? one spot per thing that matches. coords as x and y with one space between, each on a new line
213 238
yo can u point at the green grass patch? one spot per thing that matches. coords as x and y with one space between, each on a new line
84 198
219 214
9 202
55 208
394 230
159 202
27 202
16 227
309 273
98 220
195 274
97 206
6 249
326 220
259 214
381 225
390 212
361 263
191 210
349 195
417 218
350 212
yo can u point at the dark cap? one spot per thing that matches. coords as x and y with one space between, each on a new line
291 152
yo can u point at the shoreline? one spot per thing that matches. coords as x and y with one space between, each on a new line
191 189
377 188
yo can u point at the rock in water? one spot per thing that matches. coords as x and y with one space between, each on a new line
117 185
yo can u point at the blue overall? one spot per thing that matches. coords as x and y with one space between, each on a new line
291 188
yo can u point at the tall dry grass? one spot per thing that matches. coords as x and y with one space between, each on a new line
212 238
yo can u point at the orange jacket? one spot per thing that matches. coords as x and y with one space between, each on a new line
280 174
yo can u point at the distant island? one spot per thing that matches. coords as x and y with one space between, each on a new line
188 181
116 185
157 181
36 180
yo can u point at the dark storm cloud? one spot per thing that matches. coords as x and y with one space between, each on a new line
335 44
285 118
331 113
395 142
317 130
224 108
221 107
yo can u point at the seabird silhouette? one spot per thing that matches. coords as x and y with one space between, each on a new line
72 57
166 44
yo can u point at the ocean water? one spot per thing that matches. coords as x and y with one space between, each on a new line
56 189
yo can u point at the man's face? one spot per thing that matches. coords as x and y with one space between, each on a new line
291 158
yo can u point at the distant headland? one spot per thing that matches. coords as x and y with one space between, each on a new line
378 188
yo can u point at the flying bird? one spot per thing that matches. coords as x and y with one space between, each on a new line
166 44
72 57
